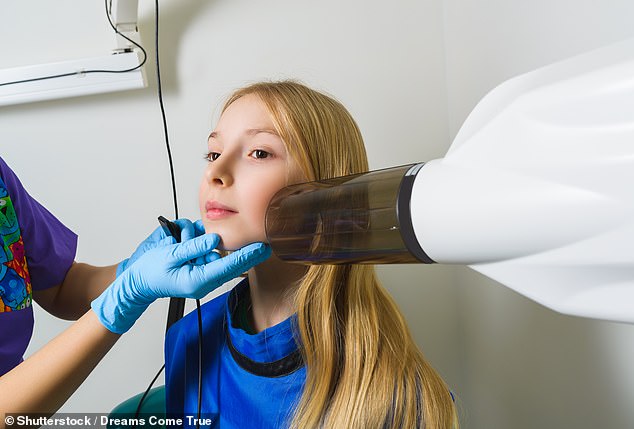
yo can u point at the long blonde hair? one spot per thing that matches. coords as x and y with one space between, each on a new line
363 369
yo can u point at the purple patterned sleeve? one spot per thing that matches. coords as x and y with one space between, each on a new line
49 246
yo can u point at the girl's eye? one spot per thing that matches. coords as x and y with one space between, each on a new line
260 154
212 156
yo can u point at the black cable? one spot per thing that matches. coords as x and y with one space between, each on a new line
160 97
138 408
200 361
171 164
169 157
82 72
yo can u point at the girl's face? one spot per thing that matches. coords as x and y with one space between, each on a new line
248 164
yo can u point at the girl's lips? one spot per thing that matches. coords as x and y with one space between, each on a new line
216 210
216 214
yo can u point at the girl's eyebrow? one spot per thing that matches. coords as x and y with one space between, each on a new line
254 131
249 132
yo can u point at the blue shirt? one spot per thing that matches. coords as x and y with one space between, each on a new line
249 381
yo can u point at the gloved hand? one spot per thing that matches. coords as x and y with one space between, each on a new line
185 270
188 229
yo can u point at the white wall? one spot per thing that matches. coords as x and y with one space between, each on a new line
525 366
99 162
410 71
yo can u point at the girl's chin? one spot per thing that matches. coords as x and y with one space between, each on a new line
233 245
231 240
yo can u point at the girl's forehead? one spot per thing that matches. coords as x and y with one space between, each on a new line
249 103
247 112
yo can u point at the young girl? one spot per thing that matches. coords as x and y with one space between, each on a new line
294 346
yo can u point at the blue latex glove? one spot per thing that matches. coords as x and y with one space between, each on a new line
189 230
185 270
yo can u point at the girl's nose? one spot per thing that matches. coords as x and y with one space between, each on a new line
219 172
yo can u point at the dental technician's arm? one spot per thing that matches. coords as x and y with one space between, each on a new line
44 381
82 284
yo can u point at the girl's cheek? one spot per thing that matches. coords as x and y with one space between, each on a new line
201 196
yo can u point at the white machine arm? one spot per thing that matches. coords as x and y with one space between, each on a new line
536 192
